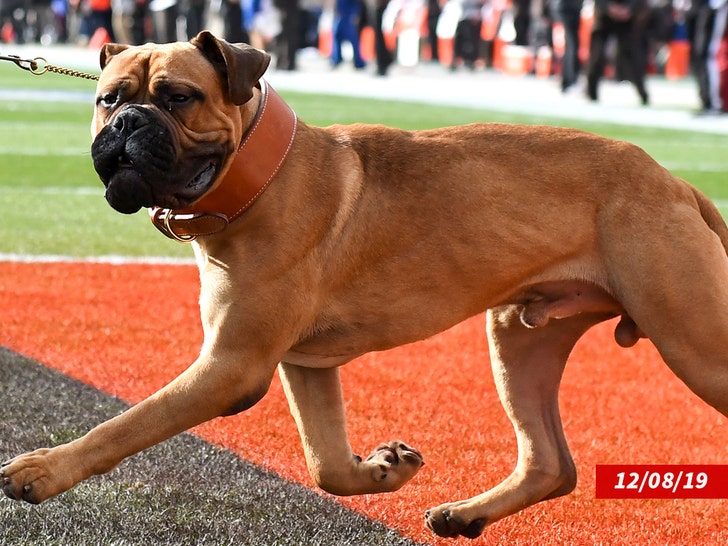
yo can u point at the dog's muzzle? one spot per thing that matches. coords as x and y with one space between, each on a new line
134 155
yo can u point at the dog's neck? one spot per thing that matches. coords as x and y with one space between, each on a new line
260 156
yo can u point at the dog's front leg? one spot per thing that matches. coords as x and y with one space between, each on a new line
317 405
207 389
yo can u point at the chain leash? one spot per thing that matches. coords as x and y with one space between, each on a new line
39 66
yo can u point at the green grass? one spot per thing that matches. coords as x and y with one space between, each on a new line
52 201
11 77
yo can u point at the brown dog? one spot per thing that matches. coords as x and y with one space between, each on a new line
316 245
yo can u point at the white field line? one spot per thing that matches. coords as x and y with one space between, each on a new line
46 95
707 167
56 190
95 192
35 152
100 191
110 259
712 167
59 126
144 260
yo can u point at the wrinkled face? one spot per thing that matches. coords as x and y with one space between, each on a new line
165 123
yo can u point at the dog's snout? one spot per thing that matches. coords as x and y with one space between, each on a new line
129 120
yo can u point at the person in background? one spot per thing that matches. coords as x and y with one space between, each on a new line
706 26
718 58
568 13
626 20
346 29
433 14
467 34
139 22
699 21
12 13
383 56
232 19
287 41
99 17
262 23
522 21
164 15
723 60
122 12
194 13
60 20
541 30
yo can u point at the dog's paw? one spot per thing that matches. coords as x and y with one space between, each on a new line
29 478
394 464
444 522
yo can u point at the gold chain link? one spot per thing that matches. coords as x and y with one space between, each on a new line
69 72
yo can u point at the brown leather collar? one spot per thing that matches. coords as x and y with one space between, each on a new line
260 156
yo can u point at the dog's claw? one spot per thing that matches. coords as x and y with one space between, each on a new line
8 490
444 524
395 463
475 529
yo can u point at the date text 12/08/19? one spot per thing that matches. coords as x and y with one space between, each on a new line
625 481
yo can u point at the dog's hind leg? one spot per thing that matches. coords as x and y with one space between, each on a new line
675 288
317 404
527 366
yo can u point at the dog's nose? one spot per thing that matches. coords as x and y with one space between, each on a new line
129 120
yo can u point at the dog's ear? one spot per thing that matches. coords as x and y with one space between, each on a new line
108 51
240 65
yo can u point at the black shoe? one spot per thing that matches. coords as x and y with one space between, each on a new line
644 97
591 92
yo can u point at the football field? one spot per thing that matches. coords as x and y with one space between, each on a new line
99 310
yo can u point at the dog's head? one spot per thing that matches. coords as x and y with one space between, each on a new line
169 118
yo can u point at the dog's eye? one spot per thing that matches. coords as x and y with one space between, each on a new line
107 100
176 99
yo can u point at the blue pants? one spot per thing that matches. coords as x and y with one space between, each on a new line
345 31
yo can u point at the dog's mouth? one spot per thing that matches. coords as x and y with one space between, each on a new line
199 184
128 189
136 175
141 165
124 163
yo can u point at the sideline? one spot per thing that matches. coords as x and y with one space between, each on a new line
673 103
50 95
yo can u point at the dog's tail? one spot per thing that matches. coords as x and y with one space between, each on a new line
712 217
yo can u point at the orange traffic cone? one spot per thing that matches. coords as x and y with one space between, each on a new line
678 61
100 37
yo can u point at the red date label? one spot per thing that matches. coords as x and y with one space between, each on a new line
626 481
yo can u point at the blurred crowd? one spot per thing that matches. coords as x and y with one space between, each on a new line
581 41
140 21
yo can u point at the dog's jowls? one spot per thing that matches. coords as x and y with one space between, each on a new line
365 237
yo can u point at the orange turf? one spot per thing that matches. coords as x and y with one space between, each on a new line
129 329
